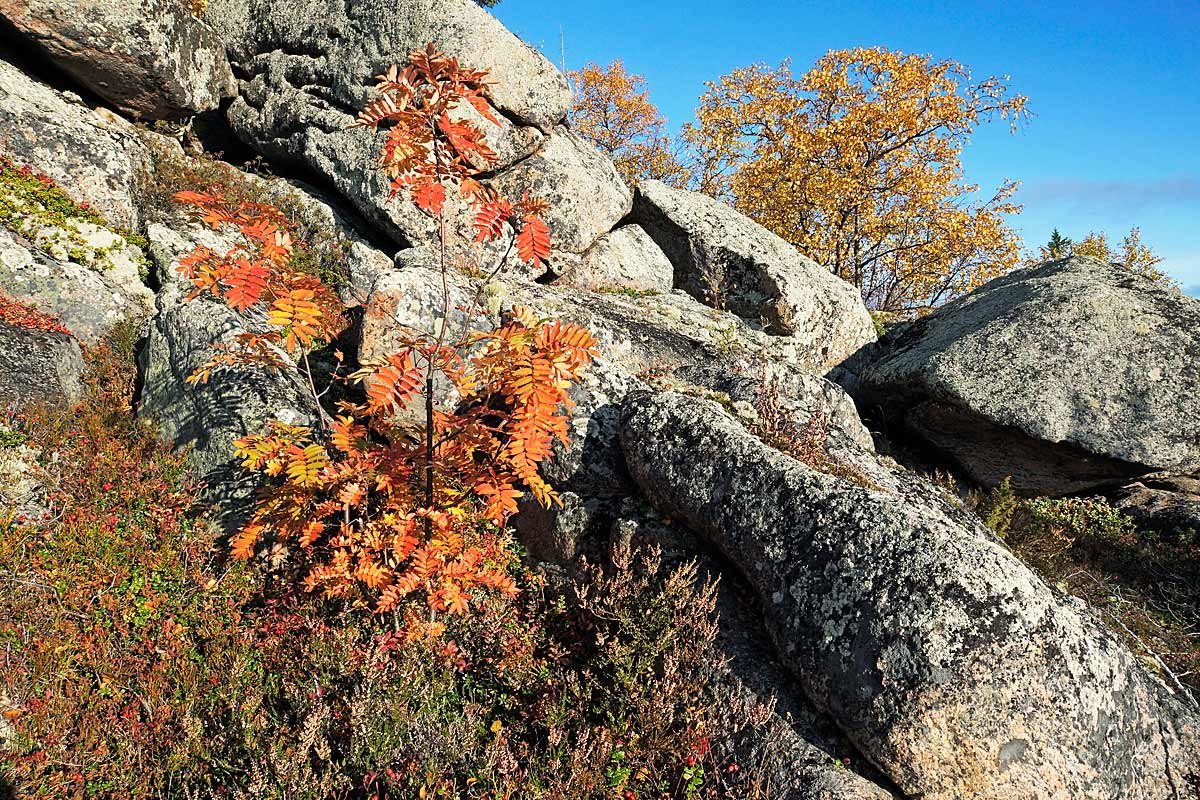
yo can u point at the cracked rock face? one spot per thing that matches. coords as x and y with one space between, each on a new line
38 366
586 194
1068 376
307 67
724 259
93 155
947 662
149 58
658 333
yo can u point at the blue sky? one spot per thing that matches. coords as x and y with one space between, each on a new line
1114 88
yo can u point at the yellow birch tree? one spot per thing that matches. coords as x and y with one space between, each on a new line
858 164
612 109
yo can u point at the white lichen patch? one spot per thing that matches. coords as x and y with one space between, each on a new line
82 242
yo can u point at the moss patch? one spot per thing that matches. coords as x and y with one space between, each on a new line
35 208
10 438
625 291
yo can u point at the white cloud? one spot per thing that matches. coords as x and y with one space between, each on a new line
1125 196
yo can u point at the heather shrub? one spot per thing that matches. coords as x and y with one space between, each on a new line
808 442
1144 584
138 663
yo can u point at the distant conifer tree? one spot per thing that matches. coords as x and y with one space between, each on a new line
1059 246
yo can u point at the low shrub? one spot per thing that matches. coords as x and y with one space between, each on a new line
1145 584
136 663
808 443
21 315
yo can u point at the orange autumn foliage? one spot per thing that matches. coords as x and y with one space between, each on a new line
375 511
426 151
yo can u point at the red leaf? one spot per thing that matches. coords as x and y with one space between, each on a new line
533 242
430 197
489 221
483 107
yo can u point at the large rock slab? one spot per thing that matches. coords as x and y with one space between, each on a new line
93 155
950 665
89 301
38 366
586 194
308 70
349 43
724 259
1168 504
625 260
208 418
150 58
1068 376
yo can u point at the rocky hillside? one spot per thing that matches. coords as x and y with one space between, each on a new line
886 617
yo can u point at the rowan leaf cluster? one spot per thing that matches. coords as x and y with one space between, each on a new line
369 507
430 151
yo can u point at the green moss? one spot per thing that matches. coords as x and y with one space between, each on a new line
34 207
626 291
883 321
10 439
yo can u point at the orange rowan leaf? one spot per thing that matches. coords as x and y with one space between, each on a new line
312 531
483 107
346 435
468 141
394 385
501 500
304 464
533 242
246 281
373 574
453 599
243 543
298 315
352 494
429 196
